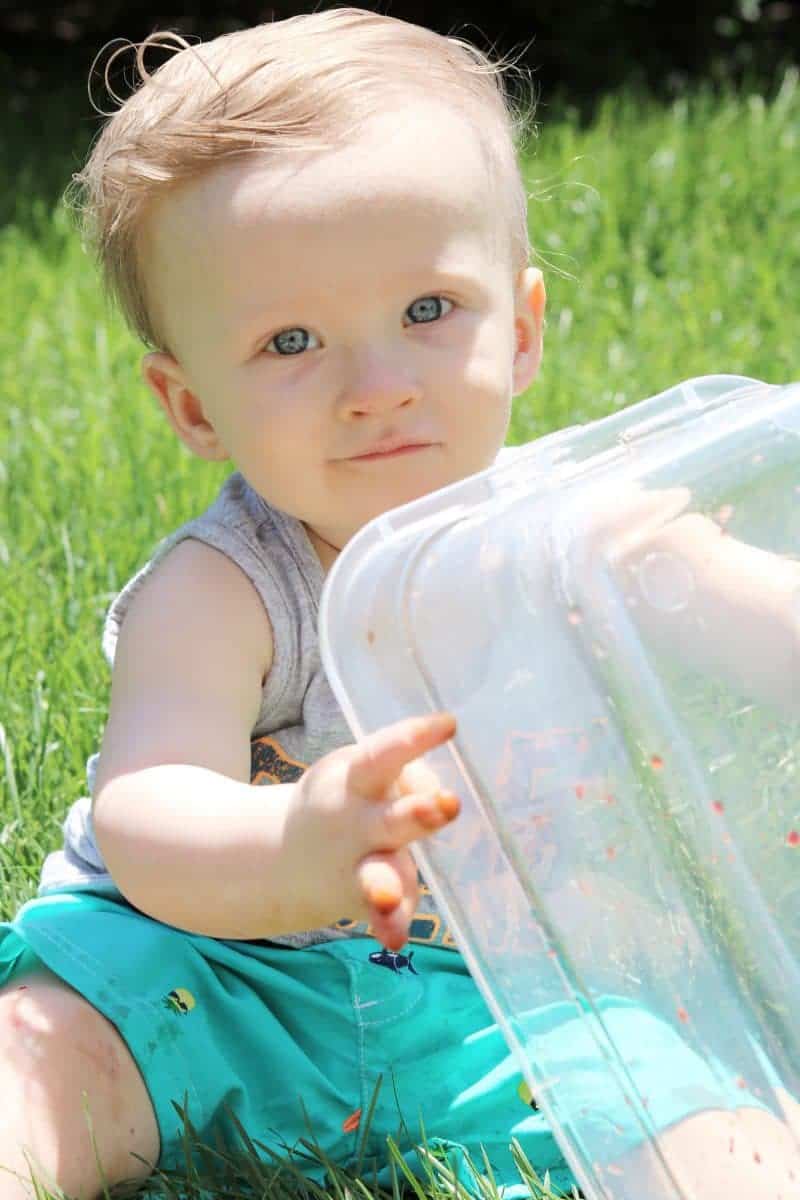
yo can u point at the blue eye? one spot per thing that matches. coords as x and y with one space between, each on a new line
292 341
428 308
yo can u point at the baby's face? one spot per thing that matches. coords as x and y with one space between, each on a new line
346 327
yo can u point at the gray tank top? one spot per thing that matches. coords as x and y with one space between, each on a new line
299 720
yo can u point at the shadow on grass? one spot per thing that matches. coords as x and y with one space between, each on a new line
428 1169
305 1172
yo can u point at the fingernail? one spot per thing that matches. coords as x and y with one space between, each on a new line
384 901
449 804
446 807
445 720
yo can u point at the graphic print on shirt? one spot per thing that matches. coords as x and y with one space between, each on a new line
270 763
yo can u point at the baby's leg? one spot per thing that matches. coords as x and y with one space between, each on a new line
58 1057
716 1154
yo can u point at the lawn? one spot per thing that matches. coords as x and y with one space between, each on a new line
669 234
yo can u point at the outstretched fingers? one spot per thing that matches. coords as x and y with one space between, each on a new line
389 883
406 818
387 874
381 757
406 803
405 800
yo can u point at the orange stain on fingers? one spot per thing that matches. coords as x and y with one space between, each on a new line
447 806
384 900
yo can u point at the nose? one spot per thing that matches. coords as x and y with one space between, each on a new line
377 382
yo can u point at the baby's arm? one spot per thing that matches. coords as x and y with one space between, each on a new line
185 835
742 620
699 593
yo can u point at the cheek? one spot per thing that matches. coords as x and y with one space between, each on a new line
488 368
266 409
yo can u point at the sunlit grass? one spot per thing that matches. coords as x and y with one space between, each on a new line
670 240
251 1170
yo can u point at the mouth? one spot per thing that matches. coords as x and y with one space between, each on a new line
391 449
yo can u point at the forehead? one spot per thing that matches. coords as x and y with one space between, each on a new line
413 189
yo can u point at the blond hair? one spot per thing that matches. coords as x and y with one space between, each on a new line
300 83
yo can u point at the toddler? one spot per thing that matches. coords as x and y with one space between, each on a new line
319 230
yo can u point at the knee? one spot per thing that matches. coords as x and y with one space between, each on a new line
741 1154
46 1027
75 1094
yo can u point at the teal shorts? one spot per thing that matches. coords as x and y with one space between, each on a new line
296 1042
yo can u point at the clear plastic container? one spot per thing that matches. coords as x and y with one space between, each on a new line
627 752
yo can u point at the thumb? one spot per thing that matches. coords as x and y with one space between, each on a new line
380 758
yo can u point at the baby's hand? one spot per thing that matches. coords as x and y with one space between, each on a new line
353 816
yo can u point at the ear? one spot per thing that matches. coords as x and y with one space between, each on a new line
165 378
529 309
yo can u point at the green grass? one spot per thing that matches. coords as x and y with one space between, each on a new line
254 1170
670 240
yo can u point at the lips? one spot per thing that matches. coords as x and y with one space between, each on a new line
391 446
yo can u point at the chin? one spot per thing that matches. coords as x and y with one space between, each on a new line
415 490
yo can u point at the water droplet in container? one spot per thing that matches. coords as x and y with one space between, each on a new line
666 583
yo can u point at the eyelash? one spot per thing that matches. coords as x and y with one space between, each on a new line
443 300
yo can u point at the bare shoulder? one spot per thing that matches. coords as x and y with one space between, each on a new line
196 589
193 651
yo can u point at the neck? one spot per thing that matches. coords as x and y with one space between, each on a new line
326 552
